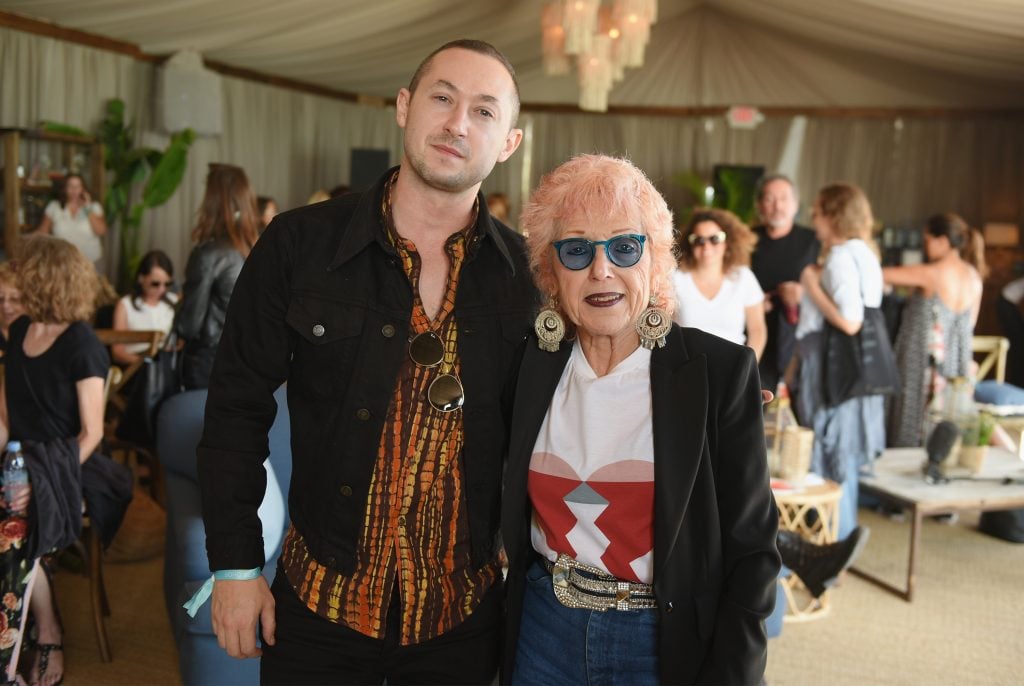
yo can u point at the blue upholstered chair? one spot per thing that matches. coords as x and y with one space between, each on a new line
179 428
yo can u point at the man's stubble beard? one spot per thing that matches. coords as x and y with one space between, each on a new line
454 182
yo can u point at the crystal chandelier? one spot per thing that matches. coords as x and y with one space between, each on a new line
604 39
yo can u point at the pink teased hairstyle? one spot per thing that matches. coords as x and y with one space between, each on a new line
593 187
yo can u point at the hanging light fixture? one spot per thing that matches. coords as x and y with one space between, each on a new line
596 72
556 61
579 19
634 19
605 38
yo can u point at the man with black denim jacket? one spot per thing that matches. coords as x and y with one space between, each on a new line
394 316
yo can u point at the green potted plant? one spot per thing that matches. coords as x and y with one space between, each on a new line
974 442
161 172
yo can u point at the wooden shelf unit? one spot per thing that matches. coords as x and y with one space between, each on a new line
18 188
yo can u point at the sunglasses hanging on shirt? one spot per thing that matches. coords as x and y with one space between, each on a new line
445 393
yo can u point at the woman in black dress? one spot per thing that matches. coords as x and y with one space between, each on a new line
52 391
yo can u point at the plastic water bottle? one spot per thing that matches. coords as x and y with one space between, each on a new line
15 474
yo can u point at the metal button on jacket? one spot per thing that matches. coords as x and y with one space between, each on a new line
388 331
318 330
346 490
363 414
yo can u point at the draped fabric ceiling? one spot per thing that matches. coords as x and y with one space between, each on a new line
959 53
961 59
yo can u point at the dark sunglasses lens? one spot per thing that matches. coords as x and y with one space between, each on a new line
698 241
426 349
625 251
445 393
576 253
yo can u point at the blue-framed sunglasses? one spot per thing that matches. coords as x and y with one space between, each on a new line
623 251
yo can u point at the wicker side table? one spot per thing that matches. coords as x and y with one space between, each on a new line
795 514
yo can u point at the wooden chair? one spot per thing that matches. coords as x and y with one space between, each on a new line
109 337
995 349
131 454
90 549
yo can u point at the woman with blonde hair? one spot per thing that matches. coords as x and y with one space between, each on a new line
937 324
52 391
850 434
714 287
226 231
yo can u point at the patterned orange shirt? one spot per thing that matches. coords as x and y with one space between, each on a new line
415 531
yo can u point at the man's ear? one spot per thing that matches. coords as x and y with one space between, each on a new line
402 106
512 141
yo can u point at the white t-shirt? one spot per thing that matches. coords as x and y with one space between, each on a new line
591 476
159 317
852 278
76 229
724 315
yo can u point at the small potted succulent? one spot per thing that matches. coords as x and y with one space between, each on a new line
974 442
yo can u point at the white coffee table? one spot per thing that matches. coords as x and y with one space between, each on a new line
898 479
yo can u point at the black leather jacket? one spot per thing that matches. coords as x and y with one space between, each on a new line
323 303
210 277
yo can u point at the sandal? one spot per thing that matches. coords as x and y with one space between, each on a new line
44 660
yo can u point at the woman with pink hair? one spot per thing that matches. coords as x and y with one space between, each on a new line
637 515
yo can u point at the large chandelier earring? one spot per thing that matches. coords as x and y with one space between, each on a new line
653 326
549 327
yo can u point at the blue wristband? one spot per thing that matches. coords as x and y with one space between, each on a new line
203 594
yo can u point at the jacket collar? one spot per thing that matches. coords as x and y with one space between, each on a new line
364 227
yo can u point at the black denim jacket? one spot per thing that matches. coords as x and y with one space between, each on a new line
323 303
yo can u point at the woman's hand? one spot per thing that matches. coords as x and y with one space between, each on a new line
20 502
810 277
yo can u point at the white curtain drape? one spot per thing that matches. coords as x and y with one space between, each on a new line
292 143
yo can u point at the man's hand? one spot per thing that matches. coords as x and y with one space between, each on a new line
237 607
790 293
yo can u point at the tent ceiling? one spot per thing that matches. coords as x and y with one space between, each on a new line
849 53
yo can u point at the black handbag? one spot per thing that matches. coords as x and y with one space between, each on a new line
858 365
158 379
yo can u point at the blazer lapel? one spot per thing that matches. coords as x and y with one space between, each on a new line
539 374
679 392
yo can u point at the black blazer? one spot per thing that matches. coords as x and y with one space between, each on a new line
715 521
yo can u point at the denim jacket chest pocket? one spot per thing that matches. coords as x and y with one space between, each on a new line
325 343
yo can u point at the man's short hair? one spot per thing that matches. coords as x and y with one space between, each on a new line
768 178
481 48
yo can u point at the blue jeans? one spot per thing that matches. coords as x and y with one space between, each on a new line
848 502
562 645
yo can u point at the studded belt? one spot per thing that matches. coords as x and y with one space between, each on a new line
595 589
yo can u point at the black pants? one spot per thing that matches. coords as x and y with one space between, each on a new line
311 650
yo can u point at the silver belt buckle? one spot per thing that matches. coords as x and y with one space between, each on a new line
578 592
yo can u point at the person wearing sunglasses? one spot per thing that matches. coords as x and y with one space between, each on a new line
394 315
637 515
714 287
149 307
